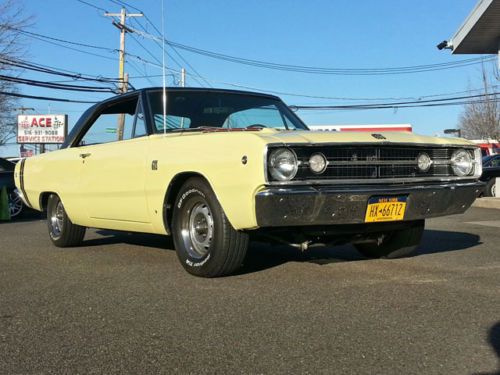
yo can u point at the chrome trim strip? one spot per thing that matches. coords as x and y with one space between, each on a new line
368 181
277 190
374 144
380 162
266 171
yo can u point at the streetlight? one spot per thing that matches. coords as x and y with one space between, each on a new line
453 131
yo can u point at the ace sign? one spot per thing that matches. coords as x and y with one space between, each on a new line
42 128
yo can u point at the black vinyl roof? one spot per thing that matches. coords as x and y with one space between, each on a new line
195 89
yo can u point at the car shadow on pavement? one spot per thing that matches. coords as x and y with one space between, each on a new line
494 341
262 256
109 237
26 216
441 241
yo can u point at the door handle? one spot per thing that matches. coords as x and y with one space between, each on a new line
83 156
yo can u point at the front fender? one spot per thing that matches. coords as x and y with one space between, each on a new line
232 163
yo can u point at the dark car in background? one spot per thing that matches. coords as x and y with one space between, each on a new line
491 170
16 206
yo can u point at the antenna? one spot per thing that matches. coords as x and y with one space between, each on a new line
164 96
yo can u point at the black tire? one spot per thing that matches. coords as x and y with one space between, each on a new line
206 243
62 231
489 190
395 244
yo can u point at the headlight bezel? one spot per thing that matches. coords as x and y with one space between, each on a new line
274 173
478 162
461 167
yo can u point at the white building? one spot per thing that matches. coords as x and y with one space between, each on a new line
364 128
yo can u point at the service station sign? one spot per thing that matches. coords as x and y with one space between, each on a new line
42 128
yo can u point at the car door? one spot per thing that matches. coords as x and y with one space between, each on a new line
113 161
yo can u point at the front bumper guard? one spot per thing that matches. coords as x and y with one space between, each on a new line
334 205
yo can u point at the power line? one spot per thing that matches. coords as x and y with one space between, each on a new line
123 3
71 48
149 52
192 68
148 20
44 38
159 45
91 5
322 70
58 86
417 98
459 100
178 54
45 98
133 65
44 69
29 33
61 69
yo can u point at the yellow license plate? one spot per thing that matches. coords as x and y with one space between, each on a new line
385 209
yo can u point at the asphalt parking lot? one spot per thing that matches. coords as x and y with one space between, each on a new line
122 304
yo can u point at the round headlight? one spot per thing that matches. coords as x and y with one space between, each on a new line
317 163
462 163
283 164
424 162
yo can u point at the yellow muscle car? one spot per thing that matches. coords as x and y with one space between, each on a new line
213 168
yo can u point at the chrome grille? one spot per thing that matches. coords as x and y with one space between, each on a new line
369 162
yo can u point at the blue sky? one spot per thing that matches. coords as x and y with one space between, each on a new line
323 33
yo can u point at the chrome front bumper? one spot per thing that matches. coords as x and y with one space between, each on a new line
335 205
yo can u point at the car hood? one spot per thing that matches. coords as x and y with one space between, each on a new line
314 137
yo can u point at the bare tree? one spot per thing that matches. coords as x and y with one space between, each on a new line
481 117
12 20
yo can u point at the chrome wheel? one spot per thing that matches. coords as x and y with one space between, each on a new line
198 230
15 204
206 243
56 218
62 231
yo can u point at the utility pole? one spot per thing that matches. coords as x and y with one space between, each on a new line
183 77
123 30
121 68
24 109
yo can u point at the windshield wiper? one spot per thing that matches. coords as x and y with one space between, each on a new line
199 128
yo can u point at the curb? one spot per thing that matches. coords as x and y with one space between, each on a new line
487 202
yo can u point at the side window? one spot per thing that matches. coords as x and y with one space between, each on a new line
128 126
172 122
114 123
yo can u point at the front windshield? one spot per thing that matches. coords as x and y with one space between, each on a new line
201 109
